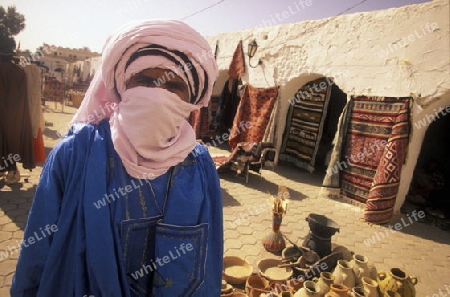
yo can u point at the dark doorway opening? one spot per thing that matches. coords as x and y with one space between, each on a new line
430 185
338 100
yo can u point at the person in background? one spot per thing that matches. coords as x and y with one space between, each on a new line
128 204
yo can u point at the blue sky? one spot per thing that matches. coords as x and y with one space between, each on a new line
88 23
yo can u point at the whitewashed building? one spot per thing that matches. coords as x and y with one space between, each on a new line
399 52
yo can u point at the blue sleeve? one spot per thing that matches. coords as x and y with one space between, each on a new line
213 275
44 219
43 216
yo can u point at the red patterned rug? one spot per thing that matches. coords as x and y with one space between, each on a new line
253 115
199 121
374 152
237 65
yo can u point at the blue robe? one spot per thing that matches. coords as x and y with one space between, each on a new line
93 230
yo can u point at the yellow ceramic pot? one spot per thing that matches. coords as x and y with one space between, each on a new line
396 280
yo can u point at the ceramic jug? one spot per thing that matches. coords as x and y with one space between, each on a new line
310 289
361 267
396 280
324 282
344 274
370 287
338 291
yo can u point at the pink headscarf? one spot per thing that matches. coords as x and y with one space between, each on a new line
135 47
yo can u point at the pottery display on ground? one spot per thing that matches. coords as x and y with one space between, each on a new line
324 282
236 270
319 236
357 292
370 287
396 280
344 274
362 268
337 290
256 285
310 289
269 269
291 253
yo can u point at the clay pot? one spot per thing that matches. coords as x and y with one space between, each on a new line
310 289
396 280
337 290
256 285
370 287
344 274
324 282
361 267
268 268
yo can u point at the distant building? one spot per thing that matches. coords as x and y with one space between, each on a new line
60 62
68 54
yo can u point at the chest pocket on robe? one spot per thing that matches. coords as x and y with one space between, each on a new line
171 260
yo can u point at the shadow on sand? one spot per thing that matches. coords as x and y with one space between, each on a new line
256 182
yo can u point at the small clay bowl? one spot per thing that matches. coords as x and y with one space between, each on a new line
269 269
236 270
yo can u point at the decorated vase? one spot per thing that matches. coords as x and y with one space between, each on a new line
274 241
396 280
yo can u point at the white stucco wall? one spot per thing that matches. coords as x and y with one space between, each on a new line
396 52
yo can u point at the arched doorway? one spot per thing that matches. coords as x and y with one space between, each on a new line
311 124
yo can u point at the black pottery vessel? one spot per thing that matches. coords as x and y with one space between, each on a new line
321 229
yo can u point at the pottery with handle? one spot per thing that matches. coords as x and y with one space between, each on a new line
396 280
344 274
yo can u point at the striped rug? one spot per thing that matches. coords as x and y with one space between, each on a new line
304 124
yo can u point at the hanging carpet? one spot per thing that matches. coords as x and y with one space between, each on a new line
304 124
199 120
249 151
253 115
237 65
372 155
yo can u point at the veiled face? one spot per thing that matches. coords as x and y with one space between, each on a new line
160 78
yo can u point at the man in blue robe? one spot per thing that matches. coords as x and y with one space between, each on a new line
128 204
